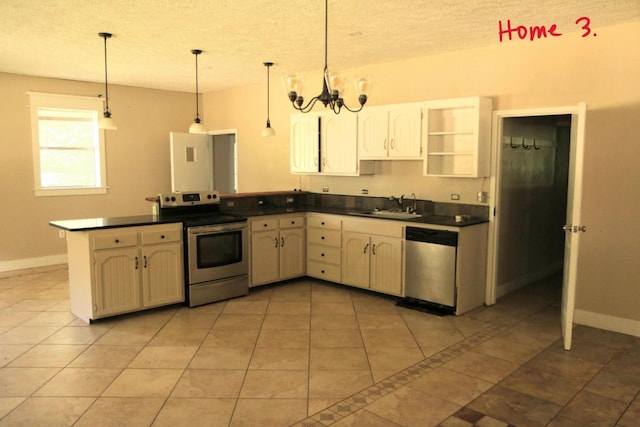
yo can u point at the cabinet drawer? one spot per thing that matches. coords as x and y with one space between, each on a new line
323 271
292 222
324 221
115 240
379 227
326 254
264 224
161 236
324 237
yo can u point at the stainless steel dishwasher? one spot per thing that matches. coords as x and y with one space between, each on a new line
430 277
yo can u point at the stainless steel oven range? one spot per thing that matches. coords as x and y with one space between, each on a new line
215 246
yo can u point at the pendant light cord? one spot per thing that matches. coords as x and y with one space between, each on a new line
196 53
105 36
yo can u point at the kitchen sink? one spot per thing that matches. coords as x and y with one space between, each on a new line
387 213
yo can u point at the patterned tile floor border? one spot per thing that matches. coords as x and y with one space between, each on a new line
365 397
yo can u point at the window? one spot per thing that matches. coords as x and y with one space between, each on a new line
68 146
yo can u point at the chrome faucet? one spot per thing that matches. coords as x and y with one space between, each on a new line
413 209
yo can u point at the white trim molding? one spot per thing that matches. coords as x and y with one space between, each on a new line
607 322
20 264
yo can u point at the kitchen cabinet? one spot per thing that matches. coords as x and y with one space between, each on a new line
373 260
325 143
277 248
390 132
324 254
121 270
457 137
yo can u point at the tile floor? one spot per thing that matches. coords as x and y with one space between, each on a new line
307 353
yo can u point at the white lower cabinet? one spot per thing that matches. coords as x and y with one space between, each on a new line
372 253
324 247
127 269
372 262
277 248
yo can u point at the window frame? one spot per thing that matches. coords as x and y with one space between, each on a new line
71 102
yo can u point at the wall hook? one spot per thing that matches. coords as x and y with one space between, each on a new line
528 147
534 144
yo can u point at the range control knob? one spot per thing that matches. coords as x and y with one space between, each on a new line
209 196
166 198
173 198
215 196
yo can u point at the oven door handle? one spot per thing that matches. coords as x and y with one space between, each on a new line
212 230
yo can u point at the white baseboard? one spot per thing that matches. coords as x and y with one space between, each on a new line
21 264
607 322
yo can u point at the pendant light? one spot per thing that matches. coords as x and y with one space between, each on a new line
196 126
268 130
106 122
332 85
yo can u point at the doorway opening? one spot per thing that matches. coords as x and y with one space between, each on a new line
534 177
568 122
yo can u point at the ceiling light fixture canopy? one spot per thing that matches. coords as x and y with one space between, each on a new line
333 85
197 126
268 130
106 122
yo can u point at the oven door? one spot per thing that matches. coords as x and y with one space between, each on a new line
217 252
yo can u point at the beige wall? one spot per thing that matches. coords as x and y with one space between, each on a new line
137 156
602 71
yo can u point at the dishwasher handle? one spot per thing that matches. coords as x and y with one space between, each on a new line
428 235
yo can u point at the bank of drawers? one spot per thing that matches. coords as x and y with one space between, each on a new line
324 242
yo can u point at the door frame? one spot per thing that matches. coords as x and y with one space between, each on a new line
578 114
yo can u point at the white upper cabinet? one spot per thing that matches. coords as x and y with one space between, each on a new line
338 149
305 140
325 143
390 132
457 135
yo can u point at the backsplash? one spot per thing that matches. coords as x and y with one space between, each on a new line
301 199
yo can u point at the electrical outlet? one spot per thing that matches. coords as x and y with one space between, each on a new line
365 191
289 199
230 203
482 196
62 234
455 196
325 189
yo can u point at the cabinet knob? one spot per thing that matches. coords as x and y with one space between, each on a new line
322 223
117 240
321 237
162 236
321 254
322 271
264 225
293 222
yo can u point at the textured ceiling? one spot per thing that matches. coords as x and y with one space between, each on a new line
152 41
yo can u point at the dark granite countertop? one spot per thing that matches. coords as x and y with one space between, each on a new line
132 221
110 222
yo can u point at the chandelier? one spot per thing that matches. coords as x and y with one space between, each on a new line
333 85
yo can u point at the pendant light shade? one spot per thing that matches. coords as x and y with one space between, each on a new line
106 122
268 130
197 126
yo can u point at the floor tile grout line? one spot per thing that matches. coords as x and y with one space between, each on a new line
490 332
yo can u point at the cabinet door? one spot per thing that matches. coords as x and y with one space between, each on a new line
355 259
305 143
339 143
264 257
373 140
292 253
162 274
405 132
386 265
116 282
